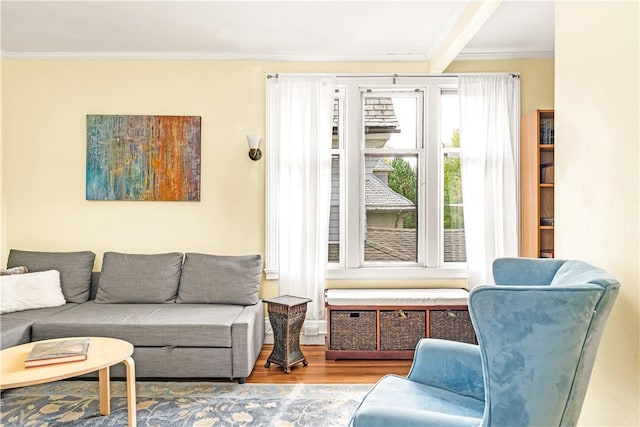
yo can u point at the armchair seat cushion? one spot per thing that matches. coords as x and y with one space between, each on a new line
394 401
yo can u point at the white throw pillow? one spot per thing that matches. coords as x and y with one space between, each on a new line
30 290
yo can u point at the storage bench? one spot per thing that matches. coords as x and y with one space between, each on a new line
388 323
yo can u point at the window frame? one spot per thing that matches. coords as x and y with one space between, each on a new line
353 207
446 90
418 151
429 264
340 153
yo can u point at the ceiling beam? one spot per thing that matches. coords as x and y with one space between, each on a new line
472 18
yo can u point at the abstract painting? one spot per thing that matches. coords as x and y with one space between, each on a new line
143 157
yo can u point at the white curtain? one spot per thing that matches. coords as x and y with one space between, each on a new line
489 151
300 118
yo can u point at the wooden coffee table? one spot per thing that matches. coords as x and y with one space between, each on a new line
103 353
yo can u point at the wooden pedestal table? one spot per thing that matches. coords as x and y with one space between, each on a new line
103 353
286 314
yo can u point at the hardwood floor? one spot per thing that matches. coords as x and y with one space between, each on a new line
321 371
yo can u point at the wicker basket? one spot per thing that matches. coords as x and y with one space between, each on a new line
401 330
353 330
454 325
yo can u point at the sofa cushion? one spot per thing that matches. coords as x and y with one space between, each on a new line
15 328
30 291
216 279
145 325
138 279
15 332
74 267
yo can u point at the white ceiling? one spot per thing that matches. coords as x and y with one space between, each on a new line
271 30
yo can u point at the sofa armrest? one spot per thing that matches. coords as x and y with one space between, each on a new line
450 365
247 337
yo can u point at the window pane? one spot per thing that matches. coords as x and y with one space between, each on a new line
390 207
334 212
453 214
390 121
335 134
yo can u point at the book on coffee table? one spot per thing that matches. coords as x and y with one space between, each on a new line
59 351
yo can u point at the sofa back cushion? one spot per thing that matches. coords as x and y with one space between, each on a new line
139 279
74 267
216 279
95 280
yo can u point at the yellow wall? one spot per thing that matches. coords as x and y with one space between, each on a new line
3 198
3 193
597 191
46 149
536 78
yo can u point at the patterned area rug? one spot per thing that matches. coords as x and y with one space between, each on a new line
197 404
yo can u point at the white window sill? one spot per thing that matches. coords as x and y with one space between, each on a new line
388 273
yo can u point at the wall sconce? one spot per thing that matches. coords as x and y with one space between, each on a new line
254 144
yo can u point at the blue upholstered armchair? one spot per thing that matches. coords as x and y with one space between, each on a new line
538 331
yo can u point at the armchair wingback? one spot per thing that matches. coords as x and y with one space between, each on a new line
538 332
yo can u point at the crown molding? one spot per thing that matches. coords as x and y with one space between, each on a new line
465 55
206 56
484 55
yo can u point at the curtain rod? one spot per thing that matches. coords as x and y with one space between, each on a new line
396 76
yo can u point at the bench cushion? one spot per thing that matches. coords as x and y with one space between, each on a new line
150 325
396 297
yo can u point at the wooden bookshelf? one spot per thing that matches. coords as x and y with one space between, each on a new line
537 163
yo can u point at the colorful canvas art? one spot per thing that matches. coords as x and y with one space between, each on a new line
143 157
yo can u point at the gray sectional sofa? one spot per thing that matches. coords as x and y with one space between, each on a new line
188 316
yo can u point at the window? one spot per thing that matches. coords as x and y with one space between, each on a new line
337 195
396 200
453 249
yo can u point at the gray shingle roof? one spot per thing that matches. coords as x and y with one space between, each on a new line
399 244
382 166
379 116
379 196
454 246
390 244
